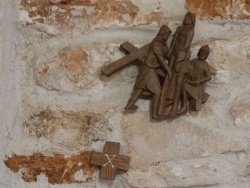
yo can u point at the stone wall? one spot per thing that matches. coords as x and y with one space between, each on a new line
56 107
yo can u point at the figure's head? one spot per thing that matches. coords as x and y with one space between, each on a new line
204 52
164 32
189 19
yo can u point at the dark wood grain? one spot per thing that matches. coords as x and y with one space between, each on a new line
124 61
110 161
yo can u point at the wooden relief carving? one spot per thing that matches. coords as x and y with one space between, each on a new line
194 87
166 74
110 160
179 62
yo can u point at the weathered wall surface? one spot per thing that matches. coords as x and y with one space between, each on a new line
225 9
56 107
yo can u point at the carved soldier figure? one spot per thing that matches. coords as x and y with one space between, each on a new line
153 65
179 55
199 73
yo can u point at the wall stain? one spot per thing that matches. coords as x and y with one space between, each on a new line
58 168
208 9
72 59
63 13
72 130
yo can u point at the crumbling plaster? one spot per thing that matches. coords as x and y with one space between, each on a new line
205 149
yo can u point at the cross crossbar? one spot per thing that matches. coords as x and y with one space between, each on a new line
124 61
110 160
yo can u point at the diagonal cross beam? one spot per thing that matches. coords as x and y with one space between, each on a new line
110 161
137 54
130 48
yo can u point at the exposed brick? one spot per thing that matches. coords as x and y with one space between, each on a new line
72 59
63 13
70 65
58 168
153 17
208 9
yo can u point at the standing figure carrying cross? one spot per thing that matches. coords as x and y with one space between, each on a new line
152 65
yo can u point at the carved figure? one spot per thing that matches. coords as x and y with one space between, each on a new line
177 82
153 65
198 74
179 55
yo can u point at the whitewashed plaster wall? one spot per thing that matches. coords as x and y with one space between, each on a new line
54 100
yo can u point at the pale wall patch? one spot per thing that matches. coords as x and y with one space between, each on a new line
72 130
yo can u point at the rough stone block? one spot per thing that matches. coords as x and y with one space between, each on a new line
177 140
71 130
225 169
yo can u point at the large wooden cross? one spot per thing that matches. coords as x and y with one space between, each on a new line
110 160
134 54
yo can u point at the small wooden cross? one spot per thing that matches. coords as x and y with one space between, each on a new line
110 160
